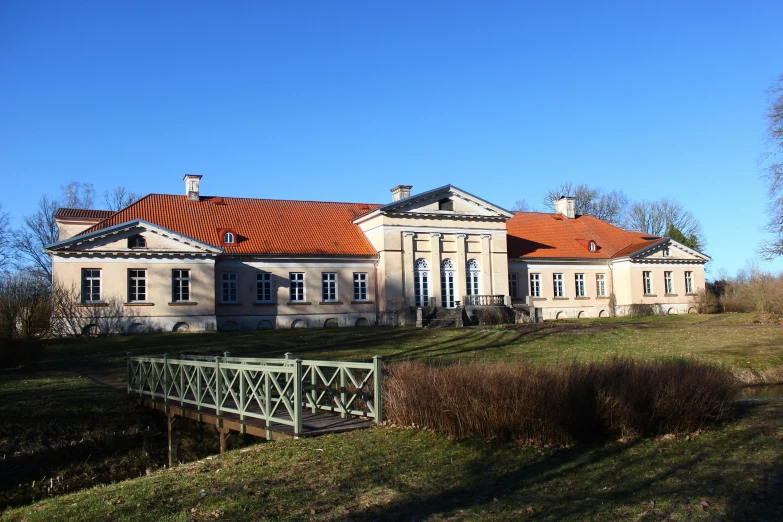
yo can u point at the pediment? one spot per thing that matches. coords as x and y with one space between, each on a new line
448 201
118 240
669 250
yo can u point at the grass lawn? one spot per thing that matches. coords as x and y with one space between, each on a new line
60 433
389 473
753 351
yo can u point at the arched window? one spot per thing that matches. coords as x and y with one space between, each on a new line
421 282
473 276
447 290
228 237
137 242
666 252
592 246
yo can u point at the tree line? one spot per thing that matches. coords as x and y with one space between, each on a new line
664 217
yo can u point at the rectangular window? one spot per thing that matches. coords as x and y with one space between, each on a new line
535 285
263 287
329 286
513 286
688 282
360 287
558 285
137 285
600 285
580 285
229 287
668 283
296 286
91 285
180 285
647 279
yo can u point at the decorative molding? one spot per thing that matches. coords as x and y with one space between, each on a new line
409 234
486 236
435 234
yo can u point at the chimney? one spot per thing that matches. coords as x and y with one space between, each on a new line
191 186
401 192
565 206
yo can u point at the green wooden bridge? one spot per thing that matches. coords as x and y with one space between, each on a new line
273 398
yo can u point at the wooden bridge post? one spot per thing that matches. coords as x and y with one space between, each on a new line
225 434
287 355
181 383
172 441
165 377
343 394
377 366
298 397
130 374
218 386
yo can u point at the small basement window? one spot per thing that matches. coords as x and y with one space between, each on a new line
228 237
137 242
446 204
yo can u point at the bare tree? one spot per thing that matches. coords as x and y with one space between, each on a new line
521 206
119 198
77 195
589 201
25 306
6 246
660 217
773 169
39 230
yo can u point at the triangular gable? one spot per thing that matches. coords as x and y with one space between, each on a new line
115 239
464 203
676 251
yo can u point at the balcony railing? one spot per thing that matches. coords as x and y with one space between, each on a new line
484 300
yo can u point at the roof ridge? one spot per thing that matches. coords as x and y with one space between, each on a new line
266 199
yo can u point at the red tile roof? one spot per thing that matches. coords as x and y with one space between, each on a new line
540 235
262 226
82 213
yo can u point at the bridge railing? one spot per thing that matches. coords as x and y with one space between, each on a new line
272 390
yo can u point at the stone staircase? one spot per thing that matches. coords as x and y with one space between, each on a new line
444 318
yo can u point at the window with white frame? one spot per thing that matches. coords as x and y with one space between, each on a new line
229 287
600 285
329 287
647 280
592 246
688 282
360 286
91 285
513 286
668 283
535 285
474 274
296 286
180 285
557 280
228 237
137 285
263 287
421 282
579 280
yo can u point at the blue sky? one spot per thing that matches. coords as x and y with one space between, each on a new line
343 100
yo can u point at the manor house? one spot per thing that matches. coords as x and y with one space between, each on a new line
194 262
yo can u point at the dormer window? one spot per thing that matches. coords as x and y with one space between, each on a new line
137 242
592 246
228 238
446 204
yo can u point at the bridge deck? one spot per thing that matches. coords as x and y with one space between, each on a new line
313 424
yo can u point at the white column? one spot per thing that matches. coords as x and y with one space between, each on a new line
462 275
435 267
408 258
486 264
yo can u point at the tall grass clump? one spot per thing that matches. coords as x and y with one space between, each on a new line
559 404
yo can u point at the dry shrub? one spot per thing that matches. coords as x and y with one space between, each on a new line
645 310
558 404
750 290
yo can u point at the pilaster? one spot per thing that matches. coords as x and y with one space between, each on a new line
435 258
408 258
486 264
462 263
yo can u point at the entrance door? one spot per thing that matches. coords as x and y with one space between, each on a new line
447 290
